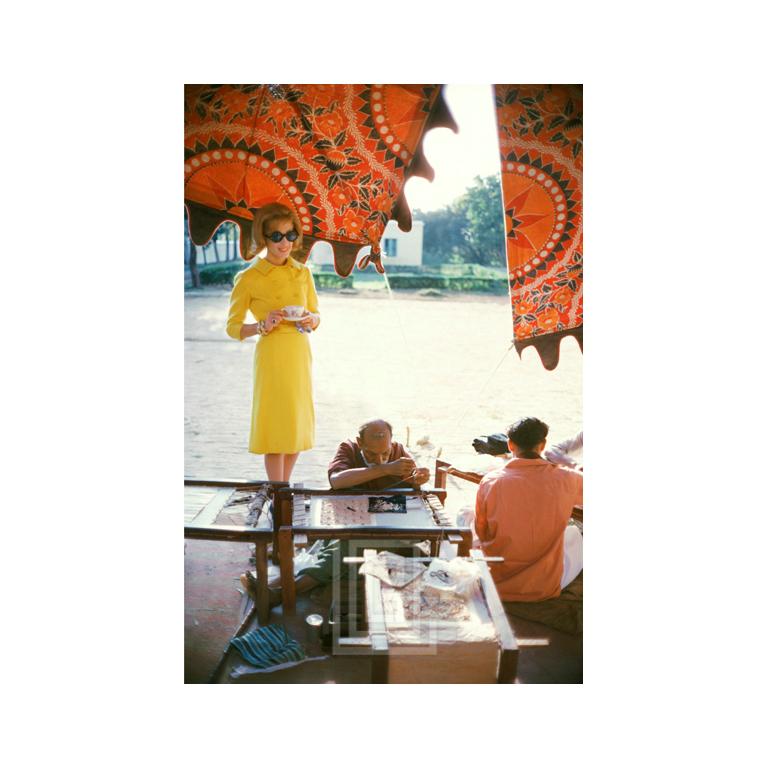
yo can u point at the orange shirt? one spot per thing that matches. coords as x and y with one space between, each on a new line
522 510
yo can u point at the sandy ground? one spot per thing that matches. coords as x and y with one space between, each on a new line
436 368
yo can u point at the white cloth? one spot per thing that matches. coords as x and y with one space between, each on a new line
573 555
569 452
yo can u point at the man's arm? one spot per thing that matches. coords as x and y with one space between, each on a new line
481 513
566 453
346 478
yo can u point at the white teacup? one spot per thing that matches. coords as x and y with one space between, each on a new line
294 311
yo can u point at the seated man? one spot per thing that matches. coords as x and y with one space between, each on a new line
372 461
522 513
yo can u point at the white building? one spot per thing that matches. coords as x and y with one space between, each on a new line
398 247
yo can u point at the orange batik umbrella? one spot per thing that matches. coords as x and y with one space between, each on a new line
339 155
540 139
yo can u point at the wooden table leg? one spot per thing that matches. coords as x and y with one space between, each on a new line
465 545
508 666
262 591
287 581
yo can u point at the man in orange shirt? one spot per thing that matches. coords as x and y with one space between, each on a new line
522 514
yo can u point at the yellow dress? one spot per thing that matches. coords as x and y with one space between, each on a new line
283 415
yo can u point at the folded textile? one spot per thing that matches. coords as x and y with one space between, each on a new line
268 646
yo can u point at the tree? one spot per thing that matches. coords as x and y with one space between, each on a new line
443 238
470 230
193 267
484 213
190 254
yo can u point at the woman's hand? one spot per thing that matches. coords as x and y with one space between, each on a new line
273 319
310 322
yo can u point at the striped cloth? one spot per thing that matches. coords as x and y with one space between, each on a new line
268 646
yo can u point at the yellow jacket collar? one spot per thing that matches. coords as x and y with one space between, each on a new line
265 267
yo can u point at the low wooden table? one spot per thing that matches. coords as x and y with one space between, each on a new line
406 651
209 513
299 518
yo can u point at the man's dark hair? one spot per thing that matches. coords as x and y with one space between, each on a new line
528 432
363 427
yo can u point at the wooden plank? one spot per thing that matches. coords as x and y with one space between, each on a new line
355 642
493 559
440 493
210 511
262 591
282 516
193 507
226 533
377 627
287 579
376 532
441 476
228 483
508 659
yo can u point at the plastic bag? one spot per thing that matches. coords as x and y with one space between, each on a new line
451 576
393 569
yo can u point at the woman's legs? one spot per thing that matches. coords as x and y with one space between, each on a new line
279 466
273 462
289 460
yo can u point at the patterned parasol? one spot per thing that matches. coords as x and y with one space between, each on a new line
339 155
540 138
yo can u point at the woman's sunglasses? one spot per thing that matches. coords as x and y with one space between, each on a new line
276 237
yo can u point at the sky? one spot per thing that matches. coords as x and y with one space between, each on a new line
458 157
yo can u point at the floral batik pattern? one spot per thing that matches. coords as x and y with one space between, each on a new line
540 139
339 155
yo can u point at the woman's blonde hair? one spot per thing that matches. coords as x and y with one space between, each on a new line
264 217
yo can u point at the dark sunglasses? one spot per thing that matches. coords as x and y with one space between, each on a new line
276 237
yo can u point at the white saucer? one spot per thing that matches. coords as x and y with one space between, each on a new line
296 319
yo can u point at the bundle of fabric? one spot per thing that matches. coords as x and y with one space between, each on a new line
268 646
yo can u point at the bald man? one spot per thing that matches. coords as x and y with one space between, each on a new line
374 462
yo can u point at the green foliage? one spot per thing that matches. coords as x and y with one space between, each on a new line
443 236
466 284
470 230
224 274
332 280
484 213
220 274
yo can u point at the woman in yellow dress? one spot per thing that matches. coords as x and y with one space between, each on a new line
283 416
